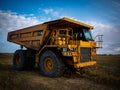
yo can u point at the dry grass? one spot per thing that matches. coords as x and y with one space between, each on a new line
104 75
106 72
15 80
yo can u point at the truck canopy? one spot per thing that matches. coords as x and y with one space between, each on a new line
67 23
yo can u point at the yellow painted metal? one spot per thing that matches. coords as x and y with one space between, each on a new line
76 22
79 65
28 37
48 64
67 53
81 43
63 22
75 60
32 38
72 46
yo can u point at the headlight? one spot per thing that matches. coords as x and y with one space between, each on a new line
59 38
64 49
63 39
72 49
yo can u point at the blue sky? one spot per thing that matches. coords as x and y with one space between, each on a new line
104 15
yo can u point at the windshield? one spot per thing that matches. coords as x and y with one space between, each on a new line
87 34
81 34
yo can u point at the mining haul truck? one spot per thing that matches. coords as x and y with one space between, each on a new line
54 45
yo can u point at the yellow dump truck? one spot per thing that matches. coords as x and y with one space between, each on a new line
53 46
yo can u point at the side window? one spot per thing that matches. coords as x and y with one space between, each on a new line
40 32
62 32
80 35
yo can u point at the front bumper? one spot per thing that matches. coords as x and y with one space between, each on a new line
79 65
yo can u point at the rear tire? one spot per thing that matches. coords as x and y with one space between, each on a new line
30 59
51 64
19 60
23 60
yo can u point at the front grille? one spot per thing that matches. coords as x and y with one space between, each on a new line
85 54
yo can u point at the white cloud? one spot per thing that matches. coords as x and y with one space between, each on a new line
117 49
10 21
47 11
99 27
110 32
51 12
98 24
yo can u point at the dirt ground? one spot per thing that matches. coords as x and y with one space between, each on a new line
103 76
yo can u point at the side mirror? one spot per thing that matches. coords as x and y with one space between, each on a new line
99 40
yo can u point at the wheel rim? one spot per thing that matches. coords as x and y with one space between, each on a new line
48 64
18 60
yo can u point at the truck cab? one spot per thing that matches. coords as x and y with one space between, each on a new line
76 43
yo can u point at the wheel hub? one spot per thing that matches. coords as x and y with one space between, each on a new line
48 64
18 60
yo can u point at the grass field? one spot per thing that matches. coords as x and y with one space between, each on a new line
103 76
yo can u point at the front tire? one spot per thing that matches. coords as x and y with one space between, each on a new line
51 64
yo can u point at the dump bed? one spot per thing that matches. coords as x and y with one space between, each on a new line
30 37
34 37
